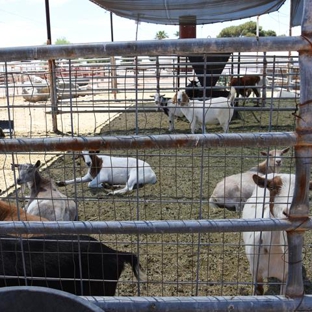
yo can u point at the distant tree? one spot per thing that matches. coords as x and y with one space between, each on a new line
160 35
177 34
62 40
248 29
269 33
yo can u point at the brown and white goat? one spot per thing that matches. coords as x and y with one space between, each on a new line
267 251
169 108
128 173
45 199
233 191
212 111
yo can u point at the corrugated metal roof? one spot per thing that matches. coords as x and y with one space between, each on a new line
175 12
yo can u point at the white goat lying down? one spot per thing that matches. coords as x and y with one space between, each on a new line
170 109
217 110
267 251
45 199
115 171
233 191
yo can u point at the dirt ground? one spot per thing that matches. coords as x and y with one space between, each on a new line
34 120
178 264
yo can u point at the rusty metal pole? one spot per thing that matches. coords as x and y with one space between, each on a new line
52 78
299 210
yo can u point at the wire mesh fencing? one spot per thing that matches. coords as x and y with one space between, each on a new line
107 106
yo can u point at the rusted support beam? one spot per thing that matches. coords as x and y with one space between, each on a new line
299 210
295 287
165 141
53 95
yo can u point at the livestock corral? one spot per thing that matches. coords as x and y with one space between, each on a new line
149 199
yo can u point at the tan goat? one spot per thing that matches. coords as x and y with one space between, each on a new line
233 191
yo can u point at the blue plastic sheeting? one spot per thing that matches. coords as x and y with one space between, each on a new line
296 12
175 12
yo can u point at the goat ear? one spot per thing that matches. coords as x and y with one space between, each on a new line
14 166
37 164
259 180
285 150
174 99
263 153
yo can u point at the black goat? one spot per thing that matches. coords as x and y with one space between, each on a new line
80 265
193 90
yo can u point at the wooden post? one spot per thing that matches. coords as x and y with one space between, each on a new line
187 27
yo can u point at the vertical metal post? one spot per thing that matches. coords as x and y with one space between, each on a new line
264 74
289 65
113 63
111 25
52 78
303 152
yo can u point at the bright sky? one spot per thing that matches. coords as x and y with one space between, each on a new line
23 23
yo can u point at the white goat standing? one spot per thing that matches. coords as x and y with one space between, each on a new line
45 199
169 108
212 111
233 191
115 171
267 251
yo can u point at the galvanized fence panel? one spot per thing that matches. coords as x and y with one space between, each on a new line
193 254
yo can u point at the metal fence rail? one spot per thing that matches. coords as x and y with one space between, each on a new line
203 304
153 227
160 47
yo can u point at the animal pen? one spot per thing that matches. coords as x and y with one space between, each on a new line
61 100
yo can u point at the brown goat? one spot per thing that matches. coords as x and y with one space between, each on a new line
245 84
9 212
